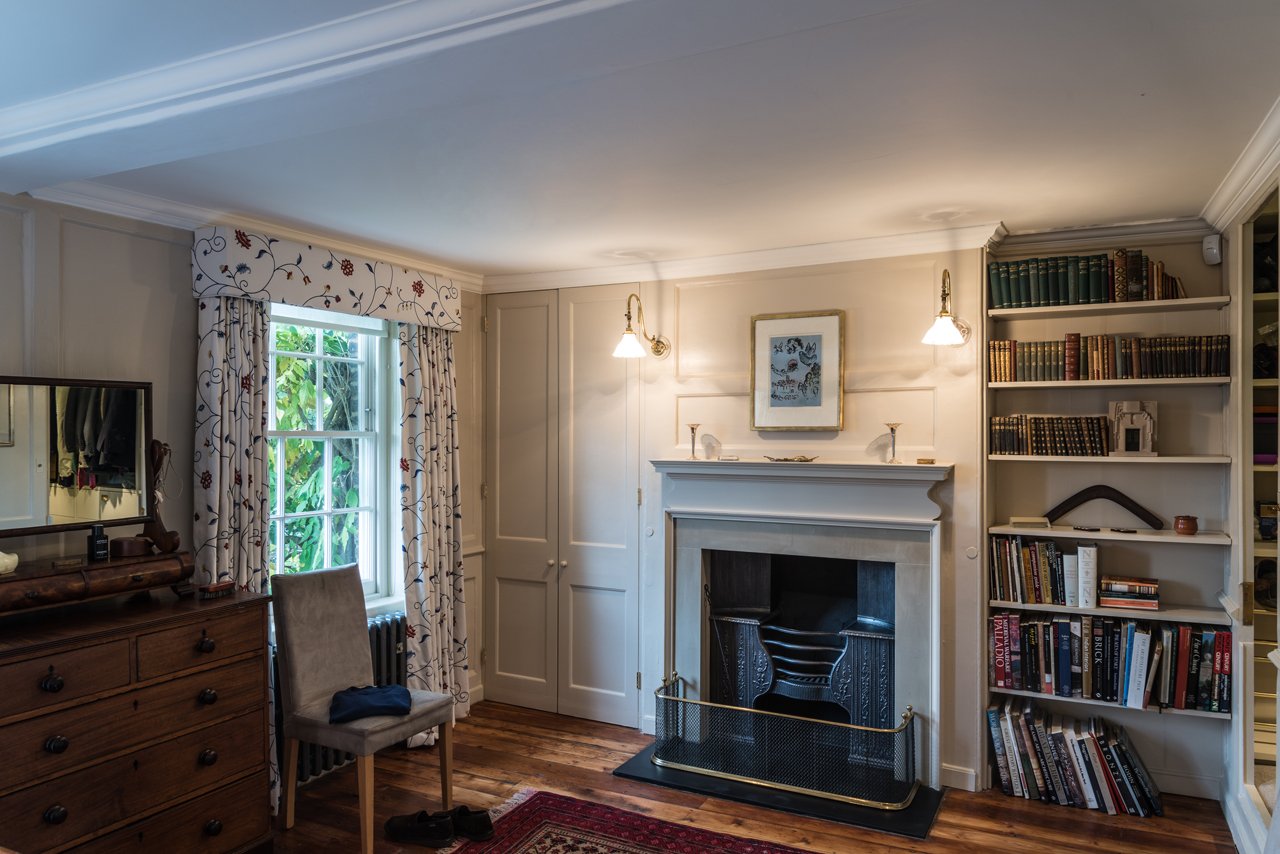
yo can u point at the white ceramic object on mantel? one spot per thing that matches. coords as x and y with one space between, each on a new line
8 563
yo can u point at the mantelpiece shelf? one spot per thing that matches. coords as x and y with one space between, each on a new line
1112 383
1202 538
1162 306
1165 613
1191 459
1082 701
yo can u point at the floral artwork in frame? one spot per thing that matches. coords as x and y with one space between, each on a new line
797 371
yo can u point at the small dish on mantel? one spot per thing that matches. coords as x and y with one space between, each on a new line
798 458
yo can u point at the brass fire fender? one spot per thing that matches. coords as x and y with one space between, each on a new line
907 718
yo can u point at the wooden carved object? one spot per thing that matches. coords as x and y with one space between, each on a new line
1089 493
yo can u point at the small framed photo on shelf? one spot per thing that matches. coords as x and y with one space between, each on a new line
1133 428
797 371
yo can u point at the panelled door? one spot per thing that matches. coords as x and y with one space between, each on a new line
562 558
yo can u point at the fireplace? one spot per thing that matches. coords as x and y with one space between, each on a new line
802 623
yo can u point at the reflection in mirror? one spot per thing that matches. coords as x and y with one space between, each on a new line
77 455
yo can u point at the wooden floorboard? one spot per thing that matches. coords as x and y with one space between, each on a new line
501 749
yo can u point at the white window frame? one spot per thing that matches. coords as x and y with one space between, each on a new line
381 426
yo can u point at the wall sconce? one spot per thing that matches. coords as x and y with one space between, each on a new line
947 330
630 347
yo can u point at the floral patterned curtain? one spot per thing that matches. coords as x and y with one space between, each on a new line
230 501
431 512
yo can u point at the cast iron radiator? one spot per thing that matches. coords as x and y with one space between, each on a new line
386 643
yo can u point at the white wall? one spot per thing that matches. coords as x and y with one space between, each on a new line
92 296
889 376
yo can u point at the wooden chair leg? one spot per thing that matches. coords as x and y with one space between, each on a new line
290 780
446 764
364 773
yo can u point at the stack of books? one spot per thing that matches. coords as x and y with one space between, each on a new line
1108 357
1124 275
1127 662
1050 435
1087 764
1141 593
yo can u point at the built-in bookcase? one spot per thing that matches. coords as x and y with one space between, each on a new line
1191 472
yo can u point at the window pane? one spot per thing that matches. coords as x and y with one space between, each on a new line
341 396
303 475
273 537
346 474
295 393
294 339
303 544
338 343
346 538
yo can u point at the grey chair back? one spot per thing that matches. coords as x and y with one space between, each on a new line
322 635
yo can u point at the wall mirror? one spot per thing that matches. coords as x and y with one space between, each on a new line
73 454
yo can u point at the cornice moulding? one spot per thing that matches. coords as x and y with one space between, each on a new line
1148 233
892 246
1253 172
139 206
333 50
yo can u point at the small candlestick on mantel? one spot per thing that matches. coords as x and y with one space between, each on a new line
693 440
893 441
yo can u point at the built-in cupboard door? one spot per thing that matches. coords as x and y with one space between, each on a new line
521 561
599 458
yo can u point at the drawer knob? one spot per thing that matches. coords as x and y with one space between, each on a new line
55 814
208 756
206 643
212 827
52 682
208 697
56 744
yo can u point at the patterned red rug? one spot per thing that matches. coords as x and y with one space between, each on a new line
536 822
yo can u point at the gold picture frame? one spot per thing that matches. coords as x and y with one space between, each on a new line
792 384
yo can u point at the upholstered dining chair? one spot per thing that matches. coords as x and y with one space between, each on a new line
322 646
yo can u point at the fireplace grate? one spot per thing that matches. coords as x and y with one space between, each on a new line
868 766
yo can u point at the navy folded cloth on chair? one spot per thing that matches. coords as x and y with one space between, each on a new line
355 703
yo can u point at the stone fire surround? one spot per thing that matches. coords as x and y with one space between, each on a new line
854 511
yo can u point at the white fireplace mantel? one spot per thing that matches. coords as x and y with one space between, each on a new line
810 491
858 508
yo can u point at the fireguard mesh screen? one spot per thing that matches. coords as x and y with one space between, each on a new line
862 765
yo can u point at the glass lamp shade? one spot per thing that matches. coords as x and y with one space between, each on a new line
943 333
629 347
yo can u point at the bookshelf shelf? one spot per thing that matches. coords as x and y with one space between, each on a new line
1104 383
1262 548
1203 421
1165 613
1081 701
1202 538
1188 459
1265 298
1160 306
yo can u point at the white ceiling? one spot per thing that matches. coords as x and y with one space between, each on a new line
509 137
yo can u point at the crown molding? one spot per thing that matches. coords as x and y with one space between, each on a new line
327 52
1253 173
918 243
1094 236
139 206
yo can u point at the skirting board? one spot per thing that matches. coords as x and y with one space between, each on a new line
959 777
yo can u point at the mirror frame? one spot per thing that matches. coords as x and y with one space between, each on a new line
148 473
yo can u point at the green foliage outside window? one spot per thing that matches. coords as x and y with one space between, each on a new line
298 407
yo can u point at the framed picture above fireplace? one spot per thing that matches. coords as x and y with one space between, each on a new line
797 371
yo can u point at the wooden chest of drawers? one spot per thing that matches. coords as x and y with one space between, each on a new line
135 726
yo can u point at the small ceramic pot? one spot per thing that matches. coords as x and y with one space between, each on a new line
1185 525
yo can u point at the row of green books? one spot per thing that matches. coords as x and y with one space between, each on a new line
1124 275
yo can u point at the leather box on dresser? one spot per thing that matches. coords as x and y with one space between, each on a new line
130 725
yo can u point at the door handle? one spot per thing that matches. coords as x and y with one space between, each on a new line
551 563
563 564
